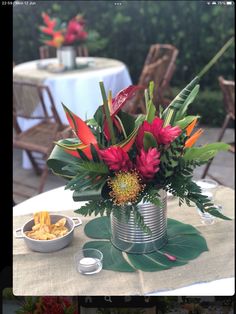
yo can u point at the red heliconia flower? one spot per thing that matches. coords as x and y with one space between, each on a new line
147 163
116 158
51 23
163 135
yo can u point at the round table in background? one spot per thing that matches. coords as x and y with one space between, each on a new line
78 89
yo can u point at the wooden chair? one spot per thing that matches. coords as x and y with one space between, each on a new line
47 127
227 88
159 67
82 51
46 52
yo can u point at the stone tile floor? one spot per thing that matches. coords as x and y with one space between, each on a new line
222 168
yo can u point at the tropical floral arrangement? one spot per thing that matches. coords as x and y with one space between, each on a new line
47 305
56 34
118 160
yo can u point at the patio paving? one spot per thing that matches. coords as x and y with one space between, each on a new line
222 168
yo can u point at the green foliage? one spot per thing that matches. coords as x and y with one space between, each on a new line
170 159
149 22
106 207
150 107
112 257
139 221
184 243
149 141
98 228
180 184
205 152
102 207
89 174
180 102
29 306
7 294
182 112
210 106
151 194
183 123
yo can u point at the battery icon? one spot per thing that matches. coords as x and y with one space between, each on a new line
229 2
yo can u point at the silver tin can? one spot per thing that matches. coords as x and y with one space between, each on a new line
130 238
67 56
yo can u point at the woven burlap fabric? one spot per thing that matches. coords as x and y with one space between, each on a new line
55 273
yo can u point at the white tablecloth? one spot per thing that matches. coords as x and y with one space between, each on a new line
60 200
78 89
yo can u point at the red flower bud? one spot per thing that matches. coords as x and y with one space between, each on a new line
116 158
147 163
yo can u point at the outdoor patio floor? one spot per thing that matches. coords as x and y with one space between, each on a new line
222 168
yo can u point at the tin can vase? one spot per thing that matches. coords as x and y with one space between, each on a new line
128 237
67 56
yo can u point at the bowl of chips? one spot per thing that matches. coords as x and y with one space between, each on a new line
48 232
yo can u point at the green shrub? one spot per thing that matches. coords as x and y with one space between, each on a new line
127 31
210 106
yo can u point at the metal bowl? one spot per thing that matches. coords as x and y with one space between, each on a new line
53 245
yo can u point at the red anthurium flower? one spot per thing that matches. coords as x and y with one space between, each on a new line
163 135
147 163
116 158
117 103
121 98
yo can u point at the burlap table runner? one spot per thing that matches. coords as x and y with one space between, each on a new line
55 273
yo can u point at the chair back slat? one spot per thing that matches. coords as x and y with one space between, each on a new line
28 98
228 91
157 52
159 66
25 98
46 52
82 51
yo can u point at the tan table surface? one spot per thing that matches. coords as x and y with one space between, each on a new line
29 71
55 273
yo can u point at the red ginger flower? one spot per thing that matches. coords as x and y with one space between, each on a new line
75 31
147 163
116 158
168 134
163 135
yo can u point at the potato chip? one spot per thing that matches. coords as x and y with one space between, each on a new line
44 230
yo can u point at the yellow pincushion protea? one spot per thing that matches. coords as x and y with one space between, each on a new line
125 187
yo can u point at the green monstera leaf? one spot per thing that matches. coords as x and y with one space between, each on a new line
184 244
